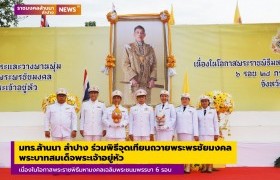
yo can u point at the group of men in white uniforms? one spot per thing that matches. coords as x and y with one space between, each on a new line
144 123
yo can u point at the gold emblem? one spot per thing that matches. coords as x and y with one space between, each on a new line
275 46
117 114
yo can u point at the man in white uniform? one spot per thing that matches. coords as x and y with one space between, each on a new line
165 117
116 130
208 125
141 119
60 119
92 111
186 123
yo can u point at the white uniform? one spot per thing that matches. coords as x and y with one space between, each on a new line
141 122
208 124
186 123
61 120
115 131
91 120
165 131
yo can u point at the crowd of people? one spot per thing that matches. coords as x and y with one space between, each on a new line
144 123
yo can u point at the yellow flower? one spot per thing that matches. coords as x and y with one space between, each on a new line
222 101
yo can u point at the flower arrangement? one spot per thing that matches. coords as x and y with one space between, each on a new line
171 61
110 61
164 16
221 101
70 99
112 17
196 167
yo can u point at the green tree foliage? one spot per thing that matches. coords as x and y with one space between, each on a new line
90 23
7 16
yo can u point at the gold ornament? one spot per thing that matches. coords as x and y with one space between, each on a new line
164 16
171 61
117 114
112 17
275 44
110 61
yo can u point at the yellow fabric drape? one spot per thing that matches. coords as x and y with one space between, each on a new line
186 85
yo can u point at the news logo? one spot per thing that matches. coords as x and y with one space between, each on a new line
47 9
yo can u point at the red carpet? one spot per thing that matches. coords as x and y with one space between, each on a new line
223 174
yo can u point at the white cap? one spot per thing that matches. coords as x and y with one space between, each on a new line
141 92
204 97
116 93
94 88
61 91
185 95
164 92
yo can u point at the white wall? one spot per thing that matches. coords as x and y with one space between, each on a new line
255 126
257 132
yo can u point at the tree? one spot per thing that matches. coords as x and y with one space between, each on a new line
7 16
90 23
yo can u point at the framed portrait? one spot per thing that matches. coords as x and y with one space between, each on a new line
140 51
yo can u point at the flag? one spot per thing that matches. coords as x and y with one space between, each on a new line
186 88
237 17
86 86
44 22
171 20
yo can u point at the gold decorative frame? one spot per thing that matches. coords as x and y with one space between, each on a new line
113 18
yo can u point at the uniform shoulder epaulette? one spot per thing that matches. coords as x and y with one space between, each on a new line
148 45
127 46
152 106
212 108
178 106
198 108
192 106
101 101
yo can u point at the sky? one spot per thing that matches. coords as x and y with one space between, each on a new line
187 12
